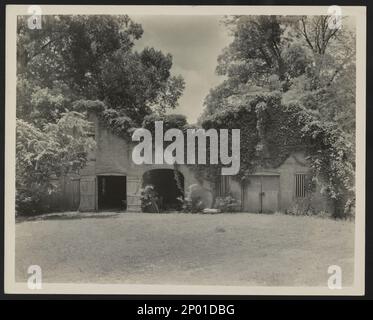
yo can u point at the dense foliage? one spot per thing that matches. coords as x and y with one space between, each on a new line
41 154
271 131
290 85
91 58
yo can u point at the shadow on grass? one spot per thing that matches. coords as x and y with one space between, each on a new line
68 216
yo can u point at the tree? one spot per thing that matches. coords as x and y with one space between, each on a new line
327 88
260 51
332 49
92 58
139 83
280 53
59 148
70 46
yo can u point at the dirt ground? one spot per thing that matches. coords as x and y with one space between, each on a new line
175 248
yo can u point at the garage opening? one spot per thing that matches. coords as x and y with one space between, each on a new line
168 186
112 193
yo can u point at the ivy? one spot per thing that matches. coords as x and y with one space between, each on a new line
113 119
271 131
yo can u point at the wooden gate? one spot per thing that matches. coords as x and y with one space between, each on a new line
71 193
133 194
87 194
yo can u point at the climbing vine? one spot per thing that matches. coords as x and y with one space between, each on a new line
177 178
115 120
272 131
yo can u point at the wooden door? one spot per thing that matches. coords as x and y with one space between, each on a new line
133 194
71 193
270 191
252 195
261 194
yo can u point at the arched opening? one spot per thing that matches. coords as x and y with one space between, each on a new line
168 186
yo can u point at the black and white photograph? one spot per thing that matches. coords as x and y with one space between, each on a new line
197 150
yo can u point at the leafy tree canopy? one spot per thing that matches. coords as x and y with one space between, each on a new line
299 56
90 58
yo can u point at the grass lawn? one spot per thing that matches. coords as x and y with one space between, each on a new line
175 248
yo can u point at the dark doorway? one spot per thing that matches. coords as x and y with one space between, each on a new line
168 185
112 194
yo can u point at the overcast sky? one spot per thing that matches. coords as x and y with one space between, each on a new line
195 43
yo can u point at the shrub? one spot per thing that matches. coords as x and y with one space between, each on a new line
227 204
301 208
33 202
192 204
149 199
